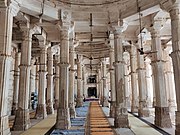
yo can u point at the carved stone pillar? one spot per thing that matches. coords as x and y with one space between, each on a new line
22 120
173 7
79 102
63 117
16 82
99 83
6 21
162 117
143 110
56 82
112 84
105 95
121 115
169 78
134 83
126 78
41 106
149 81
71 82
50 95
37 77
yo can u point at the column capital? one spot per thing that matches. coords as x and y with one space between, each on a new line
13 5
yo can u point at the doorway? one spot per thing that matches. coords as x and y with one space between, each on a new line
92 92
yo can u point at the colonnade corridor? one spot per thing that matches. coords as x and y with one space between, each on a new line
66 63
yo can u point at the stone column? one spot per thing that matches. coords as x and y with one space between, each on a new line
162 117
50 93
22 120
112 84
173 7
134 83
37 78
56 82
63 117
169 78
32 86
121 115
126 78
99 84
85 82
143 111
149 81
6 21
16 82
71 82
105 95
41 106
79 102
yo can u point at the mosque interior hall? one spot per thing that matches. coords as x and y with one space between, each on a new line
89 67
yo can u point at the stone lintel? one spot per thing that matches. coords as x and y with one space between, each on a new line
162 117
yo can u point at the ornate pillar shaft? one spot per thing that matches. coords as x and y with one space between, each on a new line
6 19
41 106
134 83
63 117
16 82
126 78
175 30
37 78
71 82
32 86
143 111
56 82
149 81
79 84
22 120
112 84
105 95
121 115
169 78
162 117
50 93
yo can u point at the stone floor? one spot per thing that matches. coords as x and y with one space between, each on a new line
137 126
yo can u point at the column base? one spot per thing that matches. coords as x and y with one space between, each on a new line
144 112
162 117
56 104
134 109
41 111
72 110
79 102
4 125
121 118
177 131
22 120
14 108
105 102
63 119
49 108
112 109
